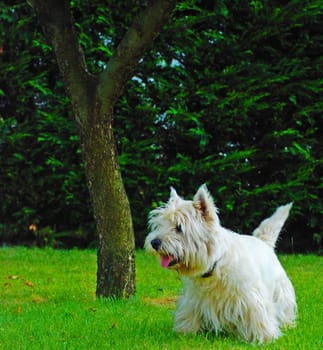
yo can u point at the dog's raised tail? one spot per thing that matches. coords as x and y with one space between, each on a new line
269 229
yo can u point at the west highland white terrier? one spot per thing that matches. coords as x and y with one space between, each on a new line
233 283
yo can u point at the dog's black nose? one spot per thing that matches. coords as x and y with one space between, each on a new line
156 243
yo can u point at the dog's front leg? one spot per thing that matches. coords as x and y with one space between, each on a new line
187 318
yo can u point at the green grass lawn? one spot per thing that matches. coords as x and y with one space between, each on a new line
48 302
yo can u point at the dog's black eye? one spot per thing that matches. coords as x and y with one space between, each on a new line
179 228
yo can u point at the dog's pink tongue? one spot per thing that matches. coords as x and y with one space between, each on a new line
165 260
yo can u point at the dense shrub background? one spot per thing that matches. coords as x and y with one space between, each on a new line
230 95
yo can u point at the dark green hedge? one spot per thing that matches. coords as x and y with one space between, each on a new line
230 95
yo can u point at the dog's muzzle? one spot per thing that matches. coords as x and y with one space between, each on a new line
167 260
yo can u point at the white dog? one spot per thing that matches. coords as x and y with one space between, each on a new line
232 283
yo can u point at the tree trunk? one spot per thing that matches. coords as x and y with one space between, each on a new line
116 261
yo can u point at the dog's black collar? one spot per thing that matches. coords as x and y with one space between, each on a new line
210 272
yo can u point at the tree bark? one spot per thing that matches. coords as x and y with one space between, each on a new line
116 261
93 99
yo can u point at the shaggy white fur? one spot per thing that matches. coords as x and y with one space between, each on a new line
232 283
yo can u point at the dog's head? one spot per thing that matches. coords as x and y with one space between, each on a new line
183 232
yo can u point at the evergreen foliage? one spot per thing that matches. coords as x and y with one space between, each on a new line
230 94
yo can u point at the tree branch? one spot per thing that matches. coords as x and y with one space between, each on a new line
138 38
56 21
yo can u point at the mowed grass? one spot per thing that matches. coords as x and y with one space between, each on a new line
48 302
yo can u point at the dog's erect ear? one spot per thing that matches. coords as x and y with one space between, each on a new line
173 192
203 201
173 195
